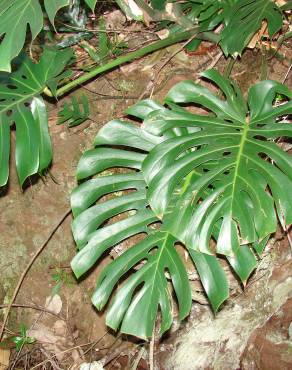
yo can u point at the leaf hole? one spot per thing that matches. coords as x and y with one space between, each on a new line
226 153
262 138
24 77
263 155
154 225
9 112
153 250
11 87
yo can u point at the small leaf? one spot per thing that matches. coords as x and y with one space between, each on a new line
91 3
75 113
39 113
52 7
56 289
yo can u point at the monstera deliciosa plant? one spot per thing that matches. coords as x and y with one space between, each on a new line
21 104
216 183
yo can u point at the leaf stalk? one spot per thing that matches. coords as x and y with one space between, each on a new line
161 44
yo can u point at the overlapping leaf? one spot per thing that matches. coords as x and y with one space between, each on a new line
240 19
16 16
92 240
216 183
244 19
237 159
22 106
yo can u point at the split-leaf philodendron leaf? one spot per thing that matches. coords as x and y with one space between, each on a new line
244 19
216 183
19 16
21 105
16 16
241 20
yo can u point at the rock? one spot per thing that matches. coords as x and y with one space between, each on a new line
269 347
96 365
233 339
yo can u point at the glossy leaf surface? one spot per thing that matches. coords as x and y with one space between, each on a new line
244 19
215 183
21 105
16 16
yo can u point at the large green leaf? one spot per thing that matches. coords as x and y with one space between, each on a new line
239 19
244 19
215 183
22 106
15 17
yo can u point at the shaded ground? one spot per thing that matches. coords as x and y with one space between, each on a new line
252 331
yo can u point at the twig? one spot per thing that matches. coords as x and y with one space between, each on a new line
32 307
213 63
287 74
155 77
151 351
138 358
289 238
107 30
108 96
60 353
95 343
31 262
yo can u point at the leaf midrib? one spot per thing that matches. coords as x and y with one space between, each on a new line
16 103
157 264
237 163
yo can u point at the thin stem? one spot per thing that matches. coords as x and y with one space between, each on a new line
31 262
264 65
228 68
161 44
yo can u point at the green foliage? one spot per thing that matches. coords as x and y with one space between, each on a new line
107 47
216 184
241 19
76 112
16 16
22 339
194 179
244 19
21 105
61 278
129 10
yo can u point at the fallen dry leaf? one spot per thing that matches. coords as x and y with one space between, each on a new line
4 358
